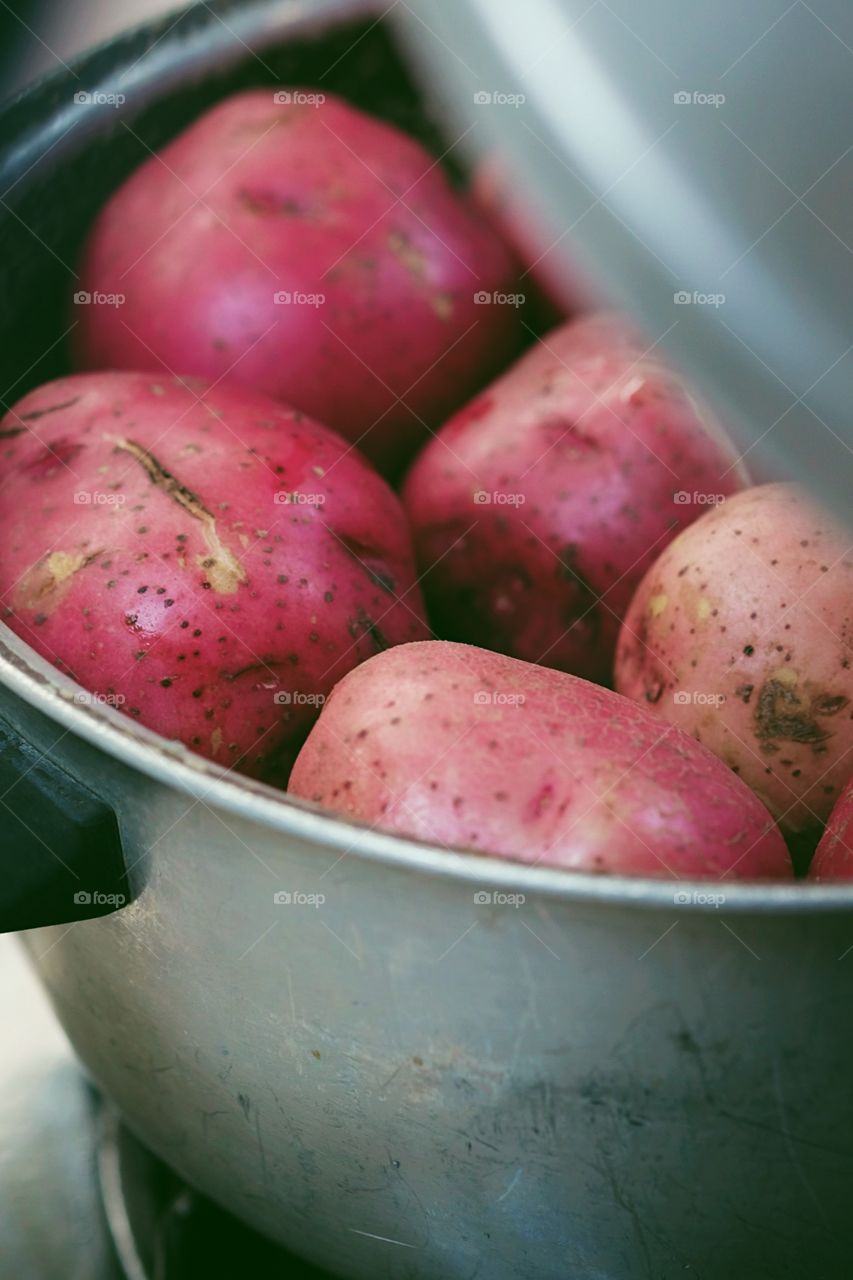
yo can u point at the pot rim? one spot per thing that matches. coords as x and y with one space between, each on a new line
33 680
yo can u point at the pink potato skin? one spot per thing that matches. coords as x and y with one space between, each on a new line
259 197
148 553
468 749
742 634
580 449
833 859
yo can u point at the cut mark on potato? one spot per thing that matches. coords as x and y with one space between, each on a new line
163 479
61 565
371 560
562 432
364 625
223 570
51 408
255 666
45 583
9 433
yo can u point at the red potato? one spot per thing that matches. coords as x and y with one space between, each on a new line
307 250
539 507
207 560
833 859
742 634
468 749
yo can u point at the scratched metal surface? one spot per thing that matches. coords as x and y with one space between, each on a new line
51 1226
569 1091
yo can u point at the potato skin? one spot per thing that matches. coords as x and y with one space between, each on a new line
148 553
579 451
472 750
259 198
833 859
742 634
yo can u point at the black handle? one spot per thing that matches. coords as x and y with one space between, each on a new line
61 858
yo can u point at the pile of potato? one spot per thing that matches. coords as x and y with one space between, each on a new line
576 636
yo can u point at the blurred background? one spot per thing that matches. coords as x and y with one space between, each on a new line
36 36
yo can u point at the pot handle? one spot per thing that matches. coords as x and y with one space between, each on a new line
61 857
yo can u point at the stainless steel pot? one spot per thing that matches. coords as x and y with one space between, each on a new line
397 1061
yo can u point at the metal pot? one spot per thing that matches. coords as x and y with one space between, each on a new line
395 1060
